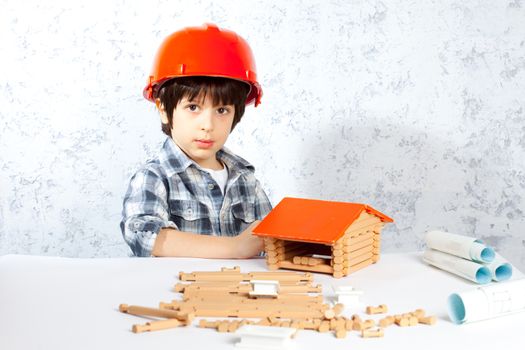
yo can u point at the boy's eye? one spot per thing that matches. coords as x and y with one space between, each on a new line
192 107
223 110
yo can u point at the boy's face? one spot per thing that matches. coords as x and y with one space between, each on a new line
200 129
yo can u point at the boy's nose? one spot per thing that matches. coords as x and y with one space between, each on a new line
207 121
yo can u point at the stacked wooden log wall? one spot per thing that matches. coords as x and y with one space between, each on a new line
357 248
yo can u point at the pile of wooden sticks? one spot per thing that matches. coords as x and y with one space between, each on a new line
227 293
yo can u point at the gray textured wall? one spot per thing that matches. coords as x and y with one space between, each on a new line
415 107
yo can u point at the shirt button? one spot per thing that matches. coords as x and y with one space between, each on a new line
189 211
211 186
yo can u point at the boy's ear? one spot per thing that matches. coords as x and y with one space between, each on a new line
162 111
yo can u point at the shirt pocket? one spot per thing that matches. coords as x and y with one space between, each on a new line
190 216
243 212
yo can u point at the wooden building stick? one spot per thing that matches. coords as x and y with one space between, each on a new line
338 267
319 268
271 253
212 276
181 287
297 324
368 324
214 312
273 248
348 241
244 289
364 216
324 327
338 309
267 309
402 321
316 261
272 266
275 245
297 259
329 314
207 298
381 309
273 259
340 332
357 259
339 274
148 311
337 252
338 259
223 326
357 267
387 321
365 225
230 277
208 324
369 243
235 269
372 333
236 298
357 323
349 324
340 322
290 254
173 305
418 313
361 251
157 325
429 320
309 324
307 260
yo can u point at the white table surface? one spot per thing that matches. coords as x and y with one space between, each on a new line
61 303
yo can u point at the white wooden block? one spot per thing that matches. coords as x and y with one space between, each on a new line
327 257
264 288
265 337
347 295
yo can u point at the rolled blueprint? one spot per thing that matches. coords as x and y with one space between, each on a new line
462 246
500 269
487 302
458 266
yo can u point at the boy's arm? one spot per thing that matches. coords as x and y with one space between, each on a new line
145 212
171 242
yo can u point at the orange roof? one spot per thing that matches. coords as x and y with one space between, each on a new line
311 220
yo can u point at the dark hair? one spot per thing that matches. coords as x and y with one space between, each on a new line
221 91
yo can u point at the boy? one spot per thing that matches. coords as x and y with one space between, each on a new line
197 199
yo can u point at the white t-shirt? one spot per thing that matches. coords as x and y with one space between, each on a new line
220 177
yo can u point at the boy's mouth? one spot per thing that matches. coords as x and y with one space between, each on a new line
204 143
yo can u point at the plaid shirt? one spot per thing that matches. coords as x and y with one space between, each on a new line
174 191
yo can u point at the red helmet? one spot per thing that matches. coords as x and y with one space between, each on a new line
204 51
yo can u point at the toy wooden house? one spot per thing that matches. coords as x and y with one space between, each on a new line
321 236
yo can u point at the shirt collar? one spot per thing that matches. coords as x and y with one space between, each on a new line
175 160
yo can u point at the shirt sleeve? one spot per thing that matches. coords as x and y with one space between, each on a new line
262 203
145 212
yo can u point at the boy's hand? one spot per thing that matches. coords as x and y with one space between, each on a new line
247 244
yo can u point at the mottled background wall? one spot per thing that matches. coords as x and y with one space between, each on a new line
415 107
